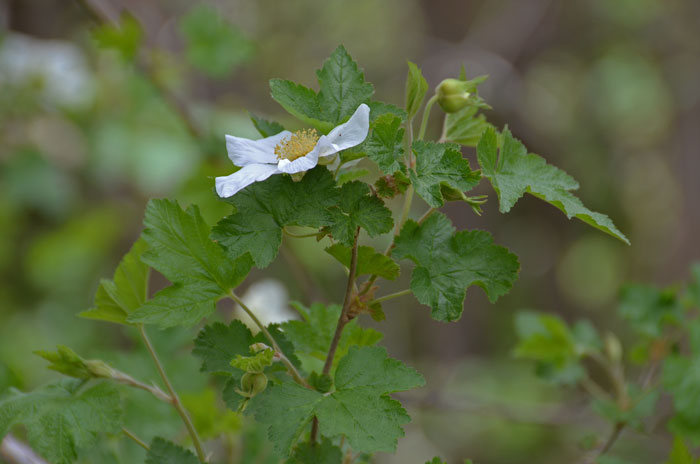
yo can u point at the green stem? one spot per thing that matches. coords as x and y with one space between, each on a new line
405 211
426 116
138 441
126 379
426 215
288 364
390 296
175 399
290 234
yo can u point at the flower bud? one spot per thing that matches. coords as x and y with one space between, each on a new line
99 368
253 383
452 95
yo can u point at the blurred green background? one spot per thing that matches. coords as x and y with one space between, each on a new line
95 119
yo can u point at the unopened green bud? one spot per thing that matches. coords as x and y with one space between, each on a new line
452 95
99 368
253 383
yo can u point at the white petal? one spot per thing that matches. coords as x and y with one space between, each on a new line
304 163
349 134
230 185
246 151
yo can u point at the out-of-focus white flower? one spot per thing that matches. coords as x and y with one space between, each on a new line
59 67
288 152
268 299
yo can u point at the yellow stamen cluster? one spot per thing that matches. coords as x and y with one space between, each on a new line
297 145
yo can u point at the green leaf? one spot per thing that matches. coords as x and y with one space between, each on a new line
359 408
311 337
67 362
681 378
436 460
126 292
180 305
513 172
544 337
213 45
648 309
164 452
209 418
378 109
370 368
342 87
390 186
61 419
218 344
680 454
256 363
641 405
349 176
301 102
369 261
692 297
324 453
439 164
384 145
179 247
264 208
357 208
416 87
264 127
448 262
465 126
125 37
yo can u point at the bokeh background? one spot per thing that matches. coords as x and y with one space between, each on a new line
607 90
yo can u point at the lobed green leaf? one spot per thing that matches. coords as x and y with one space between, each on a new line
162 451
448 262
438 165
61 419
513 172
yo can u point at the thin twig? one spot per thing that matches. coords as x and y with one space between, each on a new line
390 296
138 441
14 451
126 379
175 399
287 363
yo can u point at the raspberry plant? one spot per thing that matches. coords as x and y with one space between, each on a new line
320 386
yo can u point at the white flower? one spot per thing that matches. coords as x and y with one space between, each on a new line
268 299
288 152
59 67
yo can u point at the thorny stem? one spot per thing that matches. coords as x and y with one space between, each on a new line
278 351
174 398
342 322
343 319
138 441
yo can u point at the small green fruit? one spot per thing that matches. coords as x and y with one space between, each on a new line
452 95
253 383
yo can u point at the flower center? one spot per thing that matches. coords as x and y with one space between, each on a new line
297 145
